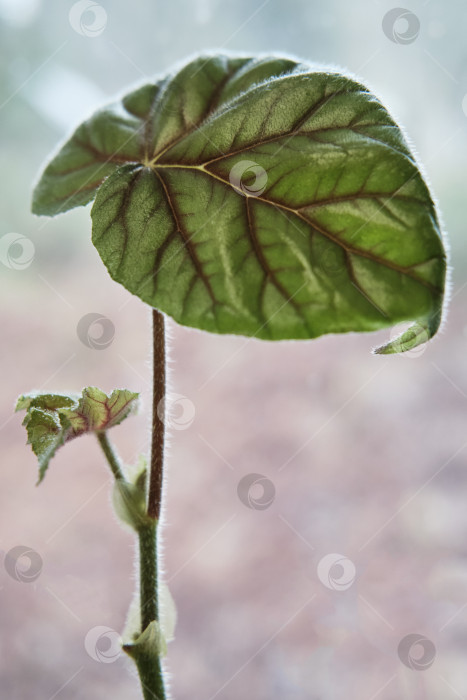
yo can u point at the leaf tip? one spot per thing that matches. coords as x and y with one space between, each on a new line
22 403
418 334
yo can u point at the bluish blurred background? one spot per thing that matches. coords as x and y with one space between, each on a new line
366 455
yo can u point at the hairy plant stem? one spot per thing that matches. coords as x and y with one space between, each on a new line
146 655
158 397
149 667
111 457
149 663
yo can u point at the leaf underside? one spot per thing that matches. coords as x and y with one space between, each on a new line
258 197
53 419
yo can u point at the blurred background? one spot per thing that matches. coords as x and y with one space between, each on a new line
340 569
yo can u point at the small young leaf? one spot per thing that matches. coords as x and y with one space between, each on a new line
167 617
53 419
129 502
47 431
258 197
96 411
46 401
150 644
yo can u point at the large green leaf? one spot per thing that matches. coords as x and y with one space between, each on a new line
53 419
256 196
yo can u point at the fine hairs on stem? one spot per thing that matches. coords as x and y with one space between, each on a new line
148 664
158 399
